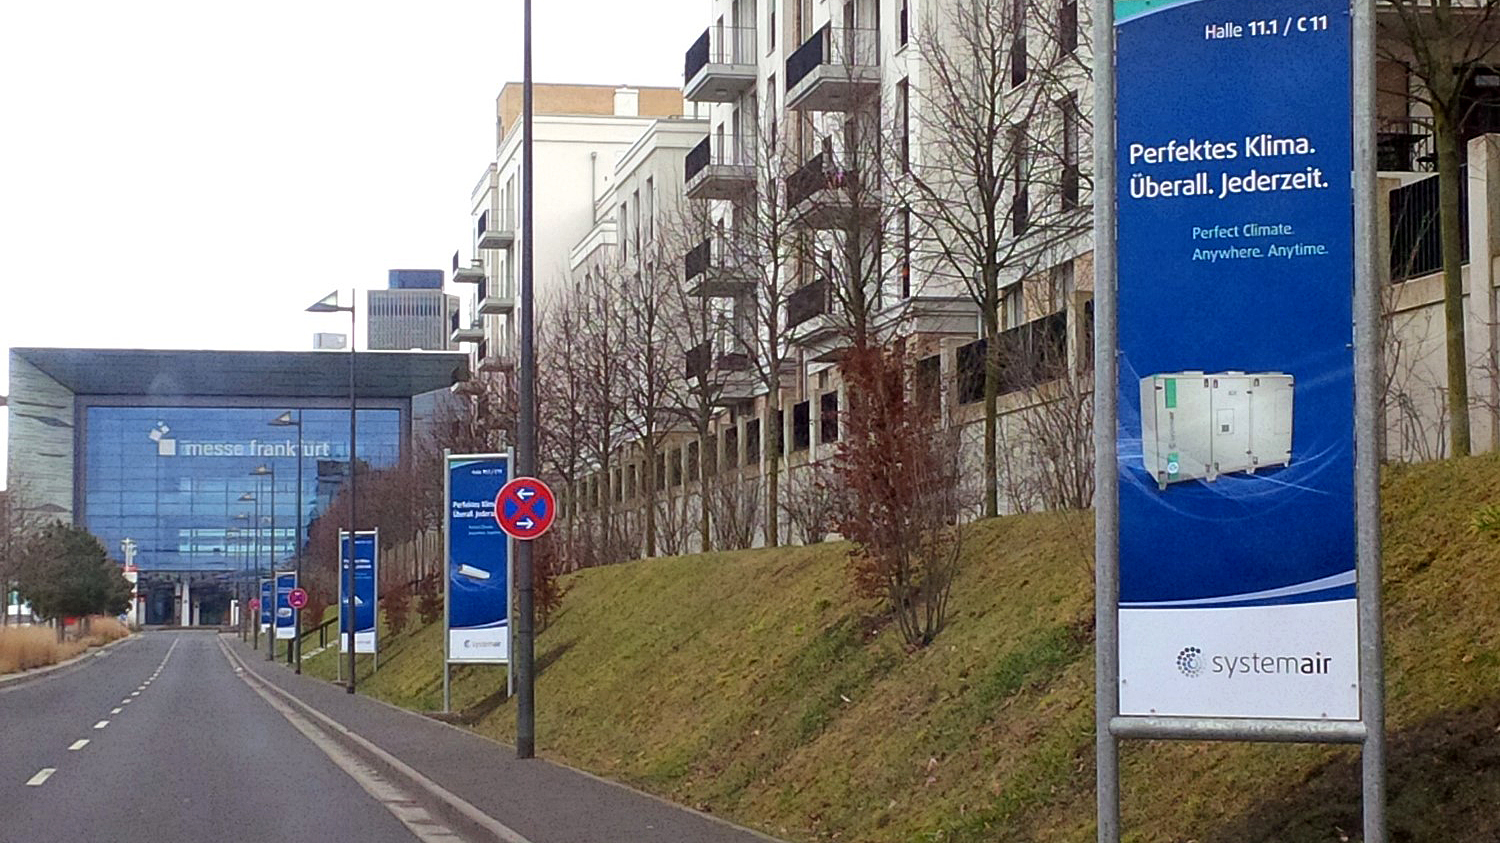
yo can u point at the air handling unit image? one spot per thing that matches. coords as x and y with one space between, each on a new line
1197 426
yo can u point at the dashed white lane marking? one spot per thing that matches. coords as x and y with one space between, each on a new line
101 724
116 710
125 701
41 776
135 693
78 744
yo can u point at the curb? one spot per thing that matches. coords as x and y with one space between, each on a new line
15 679
424 715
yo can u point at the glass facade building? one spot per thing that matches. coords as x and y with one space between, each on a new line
179 482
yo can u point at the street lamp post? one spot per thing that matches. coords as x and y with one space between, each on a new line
269 470
255 625
294 652
329 304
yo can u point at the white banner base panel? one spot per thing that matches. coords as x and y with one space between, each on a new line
488 646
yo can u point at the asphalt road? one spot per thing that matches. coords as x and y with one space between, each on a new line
179 748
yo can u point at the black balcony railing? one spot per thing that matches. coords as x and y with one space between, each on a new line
719 45
834 46
482 350
1029 355
695 262
1416 235
1405 144
453 322
699 360
697 57
819 173
484 221
697 159
455 262
484 288
806 303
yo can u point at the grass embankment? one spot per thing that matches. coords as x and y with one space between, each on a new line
29 647
756 686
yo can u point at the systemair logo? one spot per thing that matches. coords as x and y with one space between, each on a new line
1190 662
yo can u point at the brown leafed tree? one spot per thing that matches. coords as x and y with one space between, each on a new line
899 486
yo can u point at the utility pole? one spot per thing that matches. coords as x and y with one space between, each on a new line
526 424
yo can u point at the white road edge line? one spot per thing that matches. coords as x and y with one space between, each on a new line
101 724
500 830
41 776
78 744
416 818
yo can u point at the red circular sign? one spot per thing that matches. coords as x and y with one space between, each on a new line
254 603
296 598
525 508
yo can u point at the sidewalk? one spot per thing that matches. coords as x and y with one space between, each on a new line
542 801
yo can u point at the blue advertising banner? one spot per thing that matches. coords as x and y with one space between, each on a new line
478 561
366 596
265 605
286 620
1236 390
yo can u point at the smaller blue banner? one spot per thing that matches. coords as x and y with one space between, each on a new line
365 595
286 618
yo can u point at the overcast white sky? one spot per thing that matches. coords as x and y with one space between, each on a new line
194 173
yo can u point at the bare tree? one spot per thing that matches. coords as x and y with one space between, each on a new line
1442 44
1001 124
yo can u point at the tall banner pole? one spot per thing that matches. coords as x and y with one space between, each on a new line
1367 380
1106 480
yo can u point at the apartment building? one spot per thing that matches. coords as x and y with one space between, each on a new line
580 131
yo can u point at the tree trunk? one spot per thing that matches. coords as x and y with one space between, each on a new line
703 446
1449 225
773 464
991 401
648 477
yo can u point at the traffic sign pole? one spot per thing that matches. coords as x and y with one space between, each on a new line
526 426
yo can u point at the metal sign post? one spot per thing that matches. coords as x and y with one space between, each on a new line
1237 499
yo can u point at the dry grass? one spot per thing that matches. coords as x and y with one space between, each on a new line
29 647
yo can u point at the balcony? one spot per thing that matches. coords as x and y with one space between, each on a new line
494 230
824 195
720 167
714 269
459 332
835 70
720 66
727 377
473 273
494 297
493 358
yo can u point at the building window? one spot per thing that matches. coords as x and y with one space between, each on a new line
661 471
801 426
778 433
619 488
828 417
970 360
1018 46
648 213
731 447
1020 200
632 479
1011 312
624 231
928 383
1059 286
905 34
905 251
635 231
692 461
1067 26
771 29
711 457
1068 188
752 442
903 105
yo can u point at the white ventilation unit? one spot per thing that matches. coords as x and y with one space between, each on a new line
1197 426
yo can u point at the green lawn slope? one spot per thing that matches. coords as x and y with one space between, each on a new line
755 685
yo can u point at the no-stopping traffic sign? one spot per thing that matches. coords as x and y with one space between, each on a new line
525 508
